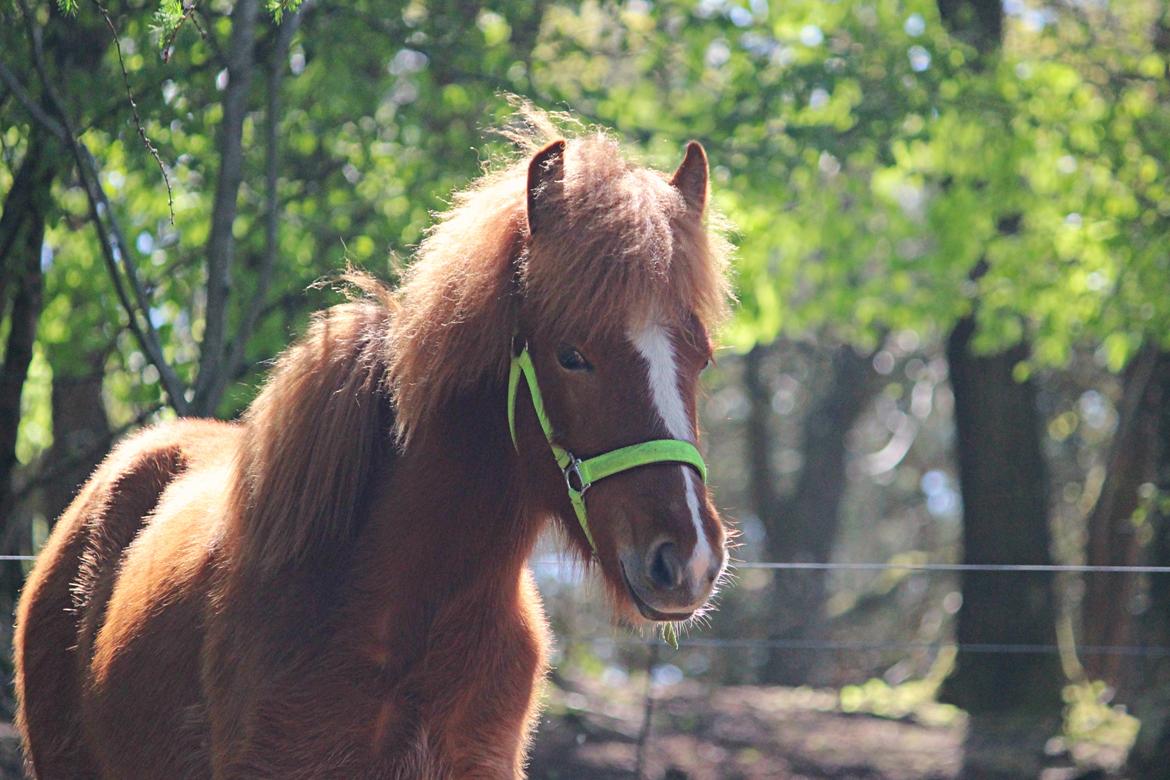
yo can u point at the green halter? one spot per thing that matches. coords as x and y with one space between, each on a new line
581 474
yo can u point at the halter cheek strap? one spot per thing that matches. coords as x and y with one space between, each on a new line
581 474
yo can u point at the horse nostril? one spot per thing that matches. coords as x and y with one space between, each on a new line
666 570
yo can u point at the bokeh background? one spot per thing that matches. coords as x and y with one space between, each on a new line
948 358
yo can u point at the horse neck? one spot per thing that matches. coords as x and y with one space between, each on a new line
452 516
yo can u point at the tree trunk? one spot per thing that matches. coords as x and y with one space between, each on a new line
266 265
1150 758
81 437
803 526
1107 616
22 232
978 23
221 243
761 480
1003 481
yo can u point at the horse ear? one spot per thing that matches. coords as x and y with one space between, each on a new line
546 181
691 177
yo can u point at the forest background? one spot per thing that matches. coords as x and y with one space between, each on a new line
950 344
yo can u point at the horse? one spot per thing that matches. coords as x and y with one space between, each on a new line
336 585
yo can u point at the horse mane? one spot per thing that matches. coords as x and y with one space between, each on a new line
623 248
312 436
371 373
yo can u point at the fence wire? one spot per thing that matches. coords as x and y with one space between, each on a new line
829 645
954 567
922 567
826 645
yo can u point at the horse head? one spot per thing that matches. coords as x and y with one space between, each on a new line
616 288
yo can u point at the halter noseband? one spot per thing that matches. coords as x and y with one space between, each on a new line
581 474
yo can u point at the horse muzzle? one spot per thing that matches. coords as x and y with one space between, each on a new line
666 586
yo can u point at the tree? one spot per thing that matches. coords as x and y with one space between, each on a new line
803 525
1151 753
1113 536
1003 479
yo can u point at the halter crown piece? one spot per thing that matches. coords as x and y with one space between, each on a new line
581 474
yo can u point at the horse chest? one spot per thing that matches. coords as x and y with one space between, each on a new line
459 704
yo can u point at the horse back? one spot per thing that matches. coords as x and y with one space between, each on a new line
63 606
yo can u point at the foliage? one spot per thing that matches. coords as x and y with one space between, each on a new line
866 165
869 165
1090 719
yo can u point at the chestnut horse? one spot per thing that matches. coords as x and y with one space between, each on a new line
336 586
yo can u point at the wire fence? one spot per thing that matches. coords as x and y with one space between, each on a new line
955 567
829 645
845 646
923 567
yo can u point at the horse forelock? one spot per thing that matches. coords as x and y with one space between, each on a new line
623 249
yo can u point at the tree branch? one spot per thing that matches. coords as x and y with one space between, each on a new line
115 251
35 111
146 142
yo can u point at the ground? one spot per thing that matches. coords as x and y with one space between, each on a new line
750 733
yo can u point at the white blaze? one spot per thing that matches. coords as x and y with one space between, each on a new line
653 344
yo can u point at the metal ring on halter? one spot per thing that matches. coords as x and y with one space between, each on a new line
574 470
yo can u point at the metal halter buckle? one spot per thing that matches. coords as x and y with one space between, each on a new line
574 470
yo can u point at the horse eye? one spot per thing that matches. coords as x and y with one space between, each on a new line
572 360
